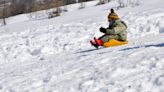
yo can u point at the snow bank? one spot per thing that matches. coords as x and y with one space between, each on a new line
18 18
145 23
43 41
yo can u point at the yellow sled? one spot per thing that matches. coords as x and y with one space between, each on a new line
113 42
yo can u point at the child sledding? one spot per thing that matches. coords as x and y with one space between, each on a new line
114 35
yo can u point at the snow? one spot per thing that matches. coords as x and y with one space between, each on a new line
54 55
18 18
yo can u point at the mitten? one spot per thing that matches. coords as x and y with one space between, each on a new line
110 27
103 30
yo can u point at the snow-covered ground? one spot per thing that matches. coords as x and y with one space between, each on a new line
54 55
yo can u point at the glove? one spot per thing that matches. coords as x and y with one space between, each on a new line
110 27
103 30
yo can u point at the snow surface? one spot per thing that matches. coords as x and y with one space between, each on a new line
54 55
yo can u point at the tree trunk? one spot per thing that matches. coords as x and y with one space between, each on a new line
4 21
82 5
4 15
102 2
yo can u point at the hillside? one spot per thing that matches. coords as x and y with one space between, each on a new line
54 55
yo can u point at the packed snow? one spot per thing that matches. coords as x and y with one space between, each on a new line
54 55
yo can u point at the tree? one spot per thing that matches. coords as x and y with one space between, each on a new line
82 4
125 3
3 13
102 1
65 2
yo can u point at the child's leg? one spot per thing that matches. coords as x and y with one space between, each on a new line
98 41
106 38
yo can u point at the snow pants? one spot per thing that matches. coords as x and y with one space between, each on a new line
106 38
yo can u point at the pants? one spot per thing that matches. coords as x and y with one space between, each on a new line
106 38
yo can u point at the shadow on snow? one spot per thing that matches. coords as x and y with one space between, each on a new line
130 48
146 46
89 50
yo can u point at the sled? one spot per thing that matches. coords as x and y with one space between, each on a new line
113 42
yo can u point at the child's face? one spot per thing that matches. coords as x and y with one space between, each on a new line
110 20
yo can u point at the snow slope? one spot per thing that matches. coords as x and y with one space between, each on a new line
55 55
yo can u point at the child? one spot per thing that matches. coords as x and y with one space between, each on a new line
116 30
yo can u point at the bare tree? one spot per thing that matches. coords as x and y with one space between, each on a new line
108 0
65 2
102 1
55 5
82 4
121 3
58 4
125 3
15 7
4 15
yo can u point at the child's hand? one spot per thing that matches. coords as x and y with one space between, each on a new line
103 30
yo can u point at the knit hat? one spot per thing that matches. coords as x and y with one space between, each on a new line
112 15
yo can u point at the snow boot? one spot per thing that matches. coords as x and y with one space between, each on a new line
98 41
94 44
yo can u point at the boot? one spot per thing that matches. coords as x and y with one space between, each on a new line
94 44
98 41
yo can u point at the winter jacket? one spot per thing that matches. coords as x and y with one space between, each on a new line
116 30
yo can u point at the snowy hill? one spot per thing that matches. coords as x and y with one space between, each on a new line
54 55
